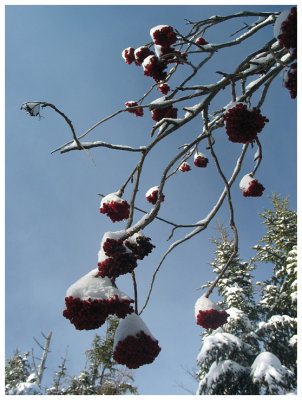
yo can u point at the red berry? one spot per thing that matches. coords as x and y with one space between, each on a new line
208 314
184 167
288 33
163 35
160 113
152 195
141 53
201 41
212 319
128 55
154 68
200 160
115 207
163 88
290 81
91 299
243 124
139 111
134 344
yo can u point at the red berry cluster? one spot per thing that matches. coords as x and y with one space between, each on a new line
128 55
160 113
163 35
155 68
135 351
116 210
184 167
152 196
92 313
211 319
139 111
119 264
141 53
288 33
200 160
243 124
120 260
255 189
291 81
141 248
163 88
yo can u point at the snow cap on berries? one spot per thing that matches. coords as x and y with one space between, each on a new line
285 30
141 53
134 345
163 35
200 160
114 258
140 245
152 195
115 207
91 299
208 314
163 88
128 55
242 123
250 187
201 41
139 111
154 68
184 167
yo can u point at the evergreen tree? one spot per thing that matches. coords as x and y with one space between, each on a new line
102 376
255 351
278 247
228 351
20 376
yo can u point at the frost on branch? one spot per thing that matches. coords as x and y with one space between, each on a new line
134 345
33 109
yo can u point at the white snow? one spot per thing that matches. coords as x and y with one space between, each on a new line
220 368
245 182
94 287
268 367
147 60
124 53
110 235
203 304
278 319
218 339
199 154
280 19
156 28
111 197
131 325
293 341
161 102
237 315
151 190
253 83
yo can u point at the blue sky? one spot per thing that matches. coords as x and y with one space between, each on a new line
71 56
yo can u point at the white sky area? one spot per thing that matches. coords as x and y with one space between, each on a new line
53 226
